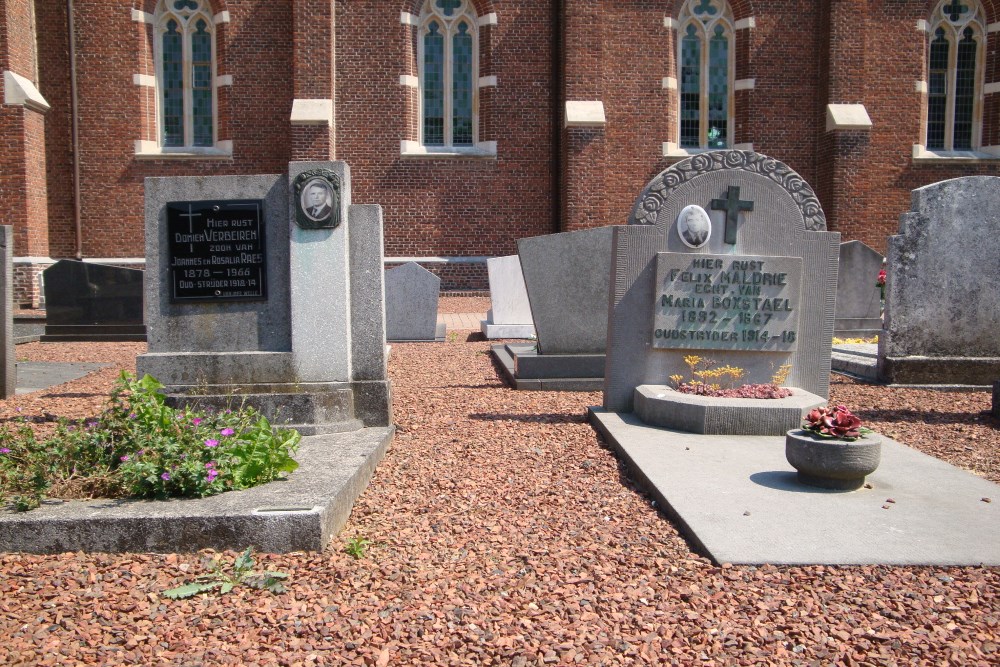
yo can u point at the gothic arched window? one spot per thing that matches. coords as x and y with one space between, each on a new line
955 75
185 66
448 65
706 71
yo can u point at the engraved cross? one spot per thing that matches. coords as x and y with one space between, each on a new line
955 10
190 215
732 205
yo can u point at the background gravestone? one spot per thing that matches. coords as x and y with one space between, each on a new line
510 312
85 301
786 226
859 302
566 276
942 305
411 303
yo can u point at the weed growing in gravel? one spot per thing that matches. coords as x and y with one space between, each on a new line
141 447
357 547
242 575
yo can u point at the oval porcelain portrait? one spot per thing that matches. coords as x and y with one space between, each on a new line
694 226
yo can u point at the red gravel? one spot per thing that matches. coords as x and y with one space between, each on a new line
505 533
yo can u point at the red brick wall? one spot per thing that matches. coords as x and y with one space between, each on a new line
802 55
255 48
448 207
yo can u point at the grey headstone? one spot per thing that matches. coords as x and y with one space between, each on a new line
567 277
88 301
786 222
8 364
411 302
320 288
942 306
510 314
234 326
858 297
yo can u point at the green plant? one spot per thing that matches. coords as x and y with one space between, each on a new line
357 547
141 447
836 422
242 575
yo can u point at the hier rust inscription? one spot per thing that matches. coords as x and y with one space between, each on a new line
726 302
216 250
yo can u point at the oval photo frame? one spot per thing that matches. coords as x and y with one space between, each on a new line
694 226
317 199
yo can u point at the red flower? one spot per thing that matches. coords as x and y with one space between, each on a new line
881 278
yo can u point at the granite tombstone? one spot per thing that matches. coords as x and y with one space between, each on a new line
510 312
942 305
241 297
85 301
566 276
411 303
859 302
757 293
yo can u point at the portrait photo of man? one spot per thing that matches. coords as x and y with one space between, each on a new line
694 226
317 200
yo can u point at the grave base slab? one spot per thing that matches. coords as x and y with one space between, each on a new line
495 330
525 369
440 335
300 513
975 371
738 500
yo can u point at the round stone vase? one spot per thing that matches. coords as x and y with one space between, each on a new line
830 463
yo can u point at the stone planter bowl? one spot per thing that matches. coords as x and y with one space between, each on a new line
832 464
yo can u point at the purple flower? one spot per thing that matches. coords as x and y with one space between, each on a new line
140 452
211 443
196 421
165 477
227 431
210 465
212 474
17 409
124 458
4 450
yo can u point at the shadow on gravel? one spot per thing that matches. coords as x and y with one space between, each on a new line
916 417
537 418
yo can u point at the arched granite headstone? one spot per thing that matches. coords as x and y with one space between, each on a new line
762 214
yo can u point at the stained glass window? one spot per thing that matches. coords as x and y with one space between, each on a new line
691 89
173 86
718 89
937 91
954 75
965 89
187 73
433 86
705 69
448 77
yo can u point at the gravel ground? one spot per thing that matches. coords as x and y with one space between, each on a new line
505 533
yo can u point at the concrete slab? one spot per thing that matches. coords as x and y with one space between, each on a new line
509 364
38 375
300 513
738 500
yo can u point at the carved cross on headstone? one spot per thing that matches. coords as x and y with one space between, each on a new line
448 6
732 206
955 10
190 215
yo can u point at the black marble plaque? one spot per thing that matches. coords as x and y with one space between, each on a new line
216 250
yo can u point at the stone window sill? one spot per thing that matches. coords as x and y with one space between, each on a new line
923 156
483 151
148 152
674 153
